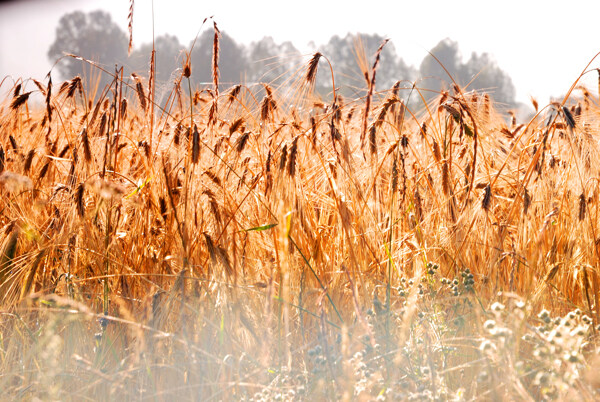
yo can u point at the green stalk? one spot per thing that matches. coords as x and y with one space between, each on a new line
106 259
318 279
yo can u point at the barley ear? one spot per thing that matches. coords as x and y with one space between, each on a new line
311 72
130 27
291 163
79 200
31 275
8 254
195 145
215 59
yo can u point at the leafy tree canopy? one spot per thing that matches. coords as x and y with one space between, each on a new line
96 37
271 62
480 72
169 56
352 55
93 36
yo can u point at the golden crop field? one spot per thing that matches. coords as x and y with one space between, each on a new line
252 243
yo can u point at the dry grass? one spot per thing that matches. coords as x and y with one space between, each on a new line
239 248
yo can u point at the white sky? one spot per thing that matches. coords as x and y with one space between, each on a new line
542 45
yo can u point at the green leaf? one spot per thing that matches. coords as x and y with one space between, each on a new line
140 186
261 228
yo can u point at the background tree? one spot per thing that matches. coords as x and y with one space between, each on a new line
93 36
480 73
168 57
96 37
271 62
353 54
433 78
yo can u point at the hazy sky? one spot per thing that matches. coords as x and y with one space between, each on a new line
543 45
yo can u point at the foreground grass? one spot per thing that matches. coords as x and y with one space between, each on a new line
257 244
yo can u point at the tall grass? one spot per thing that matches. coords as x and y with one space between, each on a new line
232 247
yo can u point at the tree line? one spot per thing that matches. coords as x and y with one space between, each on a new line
96 37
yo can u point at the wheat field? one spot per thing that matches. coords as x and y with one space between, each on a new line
256 243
